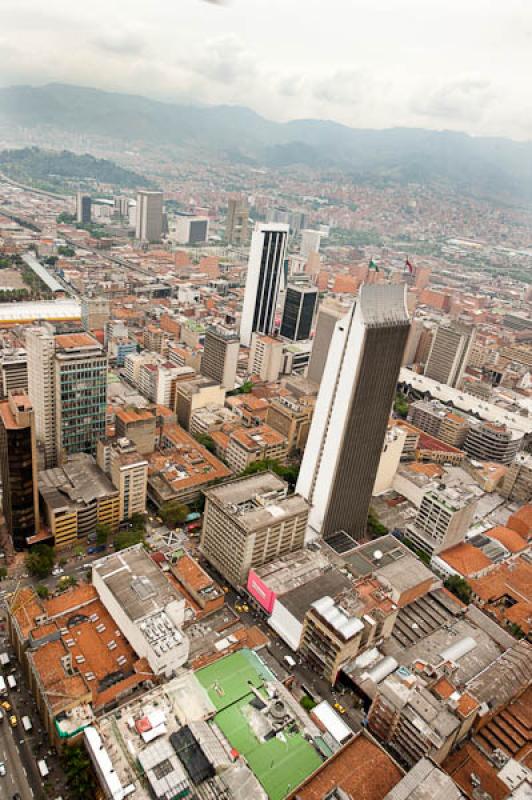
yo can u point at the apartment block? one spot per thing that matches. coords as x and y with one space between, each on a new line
247 445
129 474
249 522
517 483
291 419
237 225
444 517
265 357
220 355
137 425
95 313
13 371
337 628
75 498
194 394
487 441
435 419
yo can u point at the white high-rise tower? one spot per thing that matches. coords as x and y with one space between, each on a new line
264 279
352 411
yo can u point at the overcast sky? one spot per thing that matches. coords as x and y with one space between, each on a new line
458 64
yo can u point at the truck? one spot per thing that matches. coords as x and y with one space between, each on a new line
43 767
26 724
11 682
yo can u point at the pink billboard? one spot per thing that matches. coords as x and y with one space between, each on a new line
262 594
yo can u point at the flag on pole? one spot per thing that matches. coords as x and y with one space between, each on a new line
409 266
373 265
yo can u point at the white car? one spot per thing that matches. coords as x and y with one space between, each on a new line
2 768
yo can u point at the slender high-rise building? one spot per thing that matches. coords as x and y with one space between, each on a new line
149 217
18 468
83 208
236 229
40 347
352 411
298 313
263 281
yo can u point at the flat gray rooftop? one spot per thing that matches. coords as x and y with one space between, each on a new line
78 480
136 582
299 600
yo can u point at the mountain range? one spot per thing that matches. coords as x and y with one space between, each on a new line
493 167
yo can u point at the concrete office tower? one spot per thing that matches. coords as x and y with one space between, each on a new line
237 225
220 355
190 229
80 391
328 315
67 380
149 216
83 208
310 242
449 354
263 281
298 313
352 412
40 348
95 313
18 468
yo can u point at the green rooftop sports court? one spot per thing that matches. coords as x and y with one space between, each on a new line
280 763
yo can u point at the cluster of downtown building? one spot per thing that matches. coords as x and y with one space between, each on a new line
367 614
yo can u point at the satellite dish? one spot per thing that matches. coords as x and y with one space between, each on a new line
377 555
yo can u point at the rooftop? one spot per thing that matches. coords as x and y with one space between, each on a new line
257 500
361 769
79 480
76 341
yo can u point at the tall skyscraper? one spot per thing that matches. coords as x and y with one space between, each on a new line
67 380
237 225
263 281
18 468
298 313
352 411
149 216
83 208
40 348
449 353
220 355
328 315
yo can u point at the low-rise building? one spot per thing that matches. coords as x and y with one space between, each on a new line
250 521
337 628
182 468
247 445
78 663
197 583
292 419
75 498
145 606
194 394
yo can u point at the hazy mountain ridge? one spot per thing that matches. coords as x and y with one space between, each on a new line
53 169
479 165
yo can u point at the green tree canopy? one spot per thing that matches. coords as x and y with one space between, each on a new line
459 587
375 526
174 513
288 472
42 591
103 532
206 440
400 405
78 771
40 560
